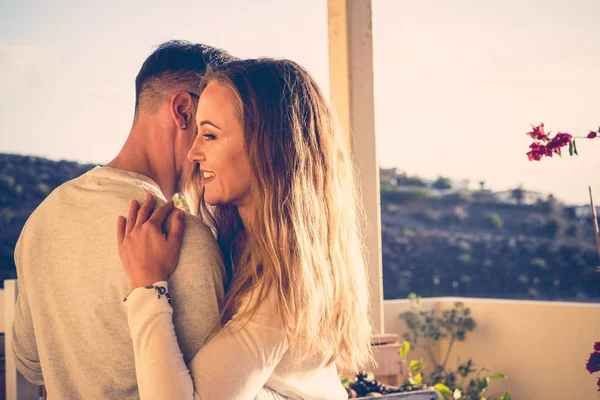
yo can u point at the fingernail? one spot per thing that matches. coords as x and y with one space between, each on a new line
148 196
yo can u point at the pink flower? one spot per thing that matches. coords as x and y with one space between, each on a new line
592 135
558 141
593 364
538 133
538 151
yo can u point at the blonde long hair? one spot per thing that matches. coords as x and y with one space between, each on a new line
306 246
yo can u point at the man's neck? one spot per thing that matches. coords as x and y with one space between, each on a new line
136 157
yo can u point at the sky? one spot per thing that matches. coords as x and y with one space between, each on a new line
457 84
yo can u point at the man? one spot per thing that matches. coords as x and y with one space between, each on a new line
70 329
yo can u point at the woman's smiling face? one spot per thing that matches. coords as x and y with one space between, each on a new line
219 147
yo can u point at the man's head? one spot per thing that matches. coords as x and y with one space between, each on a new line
174 66
166 92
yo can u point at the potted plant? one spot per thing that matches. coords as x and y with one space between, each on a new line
426 327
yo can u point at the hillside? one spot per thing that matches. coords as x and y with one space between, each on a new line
24 182
465 244
449 247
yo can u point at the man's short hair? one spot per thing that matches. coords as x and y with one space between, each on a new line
174 65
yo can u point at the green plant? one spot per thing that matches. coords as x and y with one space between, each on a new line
415 367
405 180
518 194
442 183
552 227
426 327
401 196
365 385
539 263
493 220
574 230
527 226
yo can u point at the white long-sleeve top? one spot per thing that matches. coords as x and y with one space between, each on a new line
235 364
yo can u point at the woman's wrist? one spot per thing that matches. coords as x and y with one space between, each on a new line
145 303
161 287
145 281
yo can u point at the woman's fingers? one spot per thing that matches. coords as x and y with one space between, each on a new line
147 254
145 210
132 216
121 222
160 214
175 235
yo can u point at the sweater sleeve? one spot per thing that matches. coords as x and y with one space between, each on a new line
234 364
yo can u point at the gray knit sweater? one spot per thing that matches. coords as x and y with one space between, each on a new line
70 328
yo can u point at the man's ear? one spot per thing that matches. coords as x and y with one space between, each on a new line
182 107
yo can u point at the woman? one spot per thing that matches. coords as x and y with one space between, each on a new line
278 171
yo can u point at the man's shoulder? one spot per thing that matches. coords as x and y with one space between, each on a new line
89 197
200 252
197 233
51 203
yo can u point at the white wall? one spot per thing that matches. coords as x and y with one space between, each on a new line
542 346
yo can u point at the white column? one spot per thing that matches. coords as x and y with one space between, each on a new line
351 83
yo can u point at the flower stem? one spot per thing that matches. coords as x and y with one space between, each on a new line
448 352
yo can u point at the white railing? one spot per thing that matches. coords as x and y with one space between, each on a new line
17 387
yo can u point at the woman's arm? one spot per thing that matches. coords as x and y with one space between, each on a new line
160 369
234 364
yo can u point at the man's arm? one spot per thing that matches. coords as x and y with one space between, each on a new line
24 345
196 287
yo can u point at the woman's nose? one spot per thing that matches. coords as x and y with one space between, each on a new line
196 153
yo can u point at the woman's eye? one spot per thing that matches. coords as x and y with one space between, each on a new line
209 136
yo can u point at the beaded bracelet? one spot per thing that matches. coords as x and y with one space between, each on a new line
162 291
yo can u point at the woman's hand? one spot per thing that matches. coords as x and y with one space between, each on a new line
149 254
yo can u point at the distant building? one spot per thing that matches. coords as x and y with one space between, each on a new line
585 211
529 197
387 173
